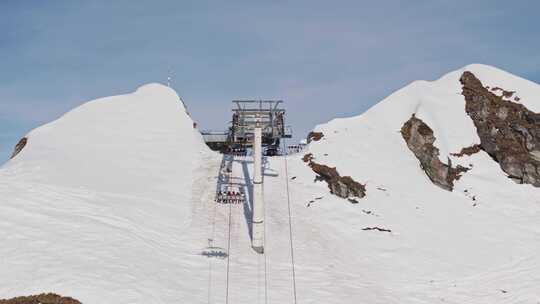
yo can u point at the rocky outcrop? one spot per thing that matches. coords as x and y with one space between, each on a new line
45 298
307 158
377 229
19 146
508 131
342 186
314 136
419 138
468 151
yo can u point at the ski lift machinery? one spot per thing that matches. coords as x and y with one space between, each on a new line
258 124
265 113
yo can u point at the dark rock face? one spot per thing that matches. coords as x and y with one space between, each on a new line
468 151
45 298
307 158
19 146
419 138
342 186
314 136
508 131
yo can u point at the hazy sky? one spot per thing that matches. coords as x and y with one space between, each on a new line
326 59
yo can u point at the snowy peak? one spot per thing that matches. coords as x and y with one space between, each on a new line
441 106
439 202
113 142
98 201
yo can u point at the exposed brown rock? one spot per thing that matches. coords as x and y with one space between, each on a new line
508 131
377 229
19 146
419 138
45 298
342 186
314 136
307 158
468 151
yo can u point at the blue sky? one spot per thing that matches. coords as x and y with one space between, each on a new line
326 59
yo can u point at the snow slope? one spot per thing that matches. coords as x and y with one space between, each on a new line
94 206
113 203
444 246
114 144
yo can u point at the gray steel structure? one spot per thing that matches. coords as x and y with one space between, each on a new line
249 113
246 115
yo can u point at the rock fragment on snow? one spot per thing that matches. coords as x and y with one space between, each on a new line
314 136
19 146
419 138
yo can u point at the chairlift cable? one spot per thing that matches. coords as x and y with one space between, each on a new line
265 273
213 235
265 258
229 240
290 223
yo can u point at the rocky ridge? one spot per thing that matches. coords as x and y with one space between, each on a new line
508 131
419 138
342 186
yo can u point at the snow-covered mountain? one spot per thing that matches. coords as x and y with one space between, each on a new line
96 203
113 203
476 244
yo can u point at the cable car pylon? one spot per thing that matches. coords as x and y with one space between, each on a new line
257 240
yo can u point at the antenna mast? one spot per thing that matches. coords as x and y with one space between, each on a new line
169 77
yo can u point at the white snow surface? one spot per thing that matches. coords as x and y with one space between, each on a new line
113 203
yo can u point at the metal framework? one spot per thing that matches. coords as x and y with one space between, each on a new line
256 124
247 114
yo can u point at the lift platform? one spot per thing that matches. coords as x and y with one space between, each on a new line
246 114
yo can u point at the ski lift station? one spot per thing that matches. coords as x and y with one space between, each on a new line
246 115
257 125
